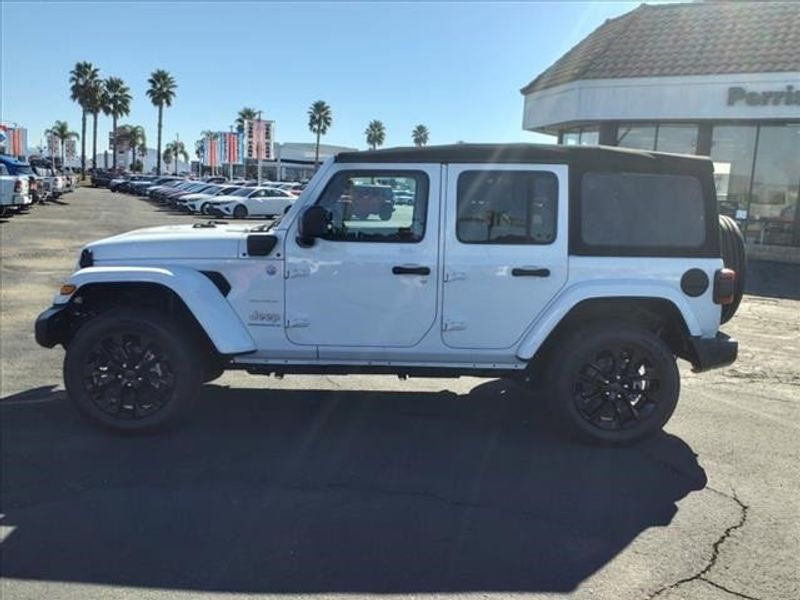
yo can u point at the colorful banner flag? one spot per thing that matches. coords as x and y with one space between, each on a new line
53 145
71 149
16 140
259 136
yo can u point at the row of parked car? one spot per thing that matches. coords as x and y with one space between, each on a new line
23 184
214 196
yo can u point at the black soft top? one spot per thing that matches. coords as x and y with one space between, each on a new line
584 157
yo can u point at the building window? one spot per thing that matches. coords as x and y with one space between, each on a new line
680 139
772 213
571 137
581 136
732 150
641 137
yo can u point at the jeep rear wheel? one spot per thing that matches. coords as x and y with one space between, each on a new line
131 369
613 385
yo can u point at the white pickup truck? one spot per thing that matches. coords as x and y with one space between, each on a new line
14 185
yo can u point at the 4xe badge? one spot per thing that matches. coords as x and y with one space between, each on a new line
271 270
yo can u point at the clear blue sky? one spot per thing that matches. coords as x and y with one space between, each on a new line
455 66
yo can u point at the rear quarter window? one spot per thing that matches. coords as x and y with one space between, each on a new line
642 210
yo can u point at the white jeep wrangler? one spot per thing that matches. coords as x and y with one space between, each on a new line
585 270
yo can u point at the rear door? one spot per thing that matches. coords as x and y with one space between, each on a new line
505 250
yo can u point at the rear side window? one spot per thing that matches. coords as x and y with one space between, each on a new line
506 207
642 210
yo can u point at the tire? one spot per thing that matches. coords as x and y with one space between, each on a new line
204 208
587 380
132 370
734 257
386 211
240 212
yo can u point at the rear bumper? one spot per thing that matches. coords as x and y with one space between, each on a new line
52 326
711 353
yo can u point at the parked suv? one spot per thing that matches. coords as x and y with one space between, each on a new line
583 271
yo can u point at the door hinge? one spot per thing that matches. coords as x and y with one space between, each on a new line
451 325
297 322
455 275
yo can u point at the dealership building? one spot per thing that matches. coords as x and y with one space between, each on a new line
714 79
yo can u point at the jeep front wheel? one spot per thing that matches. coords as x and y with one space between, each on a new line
613 385
131 369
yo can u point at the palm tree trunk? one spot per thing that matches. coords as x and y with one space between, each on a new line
83 143
158 148
133 156
63 143
94 141
114 134
316 152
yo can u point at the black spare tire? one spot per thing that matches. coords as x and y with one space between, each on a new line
734 257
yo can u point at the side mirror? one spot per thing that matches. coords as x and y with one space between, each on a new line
314 223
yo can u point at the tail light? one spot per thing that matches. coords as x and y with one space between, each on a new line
18 186
724 286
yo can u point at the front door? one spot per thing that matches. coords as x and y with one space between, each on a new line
505 251
372 281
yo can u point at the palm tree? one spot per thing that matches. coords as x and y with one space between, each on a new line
320 118
174 150
133 138
376 134
246 114
118 105
161 93
420 135
80 78
96 101
61 130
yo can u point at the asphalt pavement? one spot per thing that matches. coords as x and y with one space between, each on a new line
373 487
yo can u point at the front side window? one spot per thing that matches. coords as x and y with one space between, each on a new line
642 210
377 206
506 207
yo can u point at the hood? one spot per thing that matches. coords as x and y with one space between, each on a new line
170 242
190 197
224 199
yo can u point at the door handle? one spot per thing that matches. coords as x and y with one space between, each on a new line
411 270
526 272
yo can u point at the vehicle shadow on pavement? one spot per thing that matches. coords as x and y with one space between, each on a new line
288 491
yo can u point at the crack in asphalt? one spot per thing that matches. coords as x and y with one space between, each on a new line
715 549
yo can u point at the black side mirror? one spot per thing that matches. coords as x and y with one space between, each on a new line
314 223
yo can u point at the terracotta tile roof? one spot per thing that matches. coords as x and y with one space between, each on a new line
684 39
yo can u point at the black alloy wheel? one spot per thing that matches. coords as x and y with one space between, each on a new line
127 375
617 388
612 384
133 369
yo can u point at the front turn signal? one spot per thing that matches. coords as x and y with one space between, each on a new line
67 289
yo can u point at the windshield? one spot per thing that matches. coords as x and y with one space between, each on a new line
244 192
